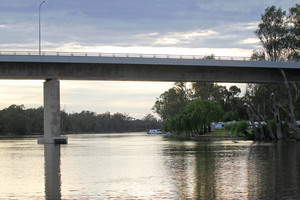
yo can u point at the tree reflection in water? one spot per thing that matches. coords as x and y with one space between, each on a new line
234 169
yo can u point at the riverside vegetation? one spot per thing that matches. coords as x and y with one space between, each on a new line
272 109
17 120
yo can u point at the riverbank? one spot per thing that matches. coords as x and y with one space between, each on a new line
221 134
38 135
19 136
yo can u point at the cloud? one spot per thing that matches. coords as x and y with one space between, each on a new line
134 23
250 41
177 38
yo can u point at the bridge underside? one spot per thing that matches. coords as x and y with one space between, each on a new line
145 72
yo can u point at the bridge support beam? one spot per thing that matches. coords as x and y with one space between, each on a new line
52 113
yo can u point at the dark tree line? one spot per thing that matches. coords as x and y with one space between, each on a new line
18 120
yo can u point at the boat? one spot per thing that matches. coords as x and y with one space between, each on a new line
154 131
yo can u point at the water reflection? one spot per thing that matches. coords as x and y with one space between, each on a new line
191 168
142 167
234 170
52 171
275 172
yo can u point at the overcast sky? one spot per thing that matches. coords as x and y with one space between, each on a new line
193 27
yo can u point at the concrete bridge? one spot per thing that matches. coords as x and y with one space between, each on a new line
53 67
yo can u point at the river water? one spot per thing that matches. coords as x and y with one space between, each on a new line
140 166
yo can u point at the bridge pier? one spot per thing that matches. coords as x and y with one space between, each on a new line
52 113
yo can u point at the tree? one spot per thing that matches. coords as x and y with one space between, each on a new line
211 56
279 36
231 98
209 91
13 120
170 102
293 94
195 117
294 19
150 122
260 107
258 56
34 120
272 33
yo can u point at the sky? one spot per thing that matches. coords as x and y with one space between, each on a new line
190 27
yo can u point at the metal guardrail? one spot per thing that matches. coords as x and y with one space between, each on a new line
121 55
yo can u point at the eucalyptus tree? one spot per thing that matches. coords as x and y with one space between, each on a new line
278 33
259 103
294 19
273 33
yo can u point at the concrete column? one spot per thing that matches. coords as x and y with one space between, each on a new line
52 113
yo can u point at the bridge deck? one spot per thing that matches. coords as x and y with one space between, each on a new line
143 69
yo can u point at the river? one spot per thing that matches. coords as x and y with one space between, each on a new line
141 166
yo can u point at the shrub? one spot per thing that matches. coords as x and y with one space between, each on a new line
230 127
241 128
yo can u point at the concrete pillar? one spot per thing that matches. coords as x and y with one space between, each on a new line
52 113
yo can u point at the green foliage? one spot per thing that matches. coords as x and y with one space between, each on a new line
13 120
279 34
231 127
272 32
258 56
231 116
238 129
241 128
250 135
195 117
211 56
209 91
170 102
294 19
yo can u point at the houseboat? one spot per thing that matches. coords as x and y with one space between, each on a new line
154 131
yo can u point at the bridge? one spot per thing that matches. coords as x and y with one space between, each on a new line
55 66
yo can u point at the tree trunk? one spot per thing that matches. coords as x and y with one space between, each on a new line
252 122
290 111
267 124
277 121
261 135
261 130
209 128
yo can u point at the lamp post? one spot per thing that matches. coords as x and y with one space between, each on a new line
40 27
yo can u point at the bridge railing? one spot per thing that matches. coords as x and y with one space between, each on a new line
121 55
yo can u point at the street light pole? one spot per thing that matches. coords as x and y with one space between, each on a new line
40 27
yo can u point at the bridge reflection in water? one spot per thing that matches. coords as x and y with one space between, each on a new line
52 171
